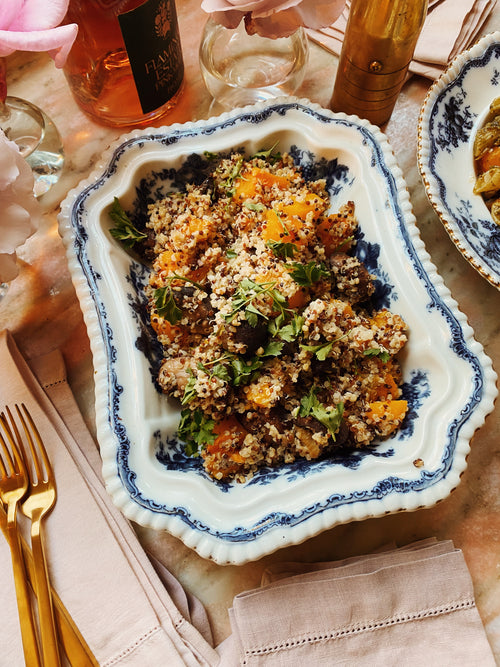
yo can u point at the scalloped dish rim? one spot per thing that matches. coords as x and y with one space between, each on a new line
293 520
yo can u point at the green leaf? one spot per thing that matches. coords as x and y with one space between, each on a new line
282 250
331 418
196 431
321 351
124 229
268 154
221 371
254 207
307 274
243 371
383 355
189 392
246 294
273 349
166 306
291 331
231 254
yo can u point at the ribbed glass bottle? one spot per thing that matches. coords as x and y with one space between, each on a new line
378 46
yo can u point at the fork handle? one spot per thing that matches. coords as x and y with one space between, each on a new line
26 620
50 649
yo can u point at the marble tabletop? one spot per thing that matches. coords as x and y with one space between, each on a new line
43 313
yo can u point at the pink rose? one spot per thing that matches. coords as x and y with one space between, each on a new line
274 18
19 207
30 25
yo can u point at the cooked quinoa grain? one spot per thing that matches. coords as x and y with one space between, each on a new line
269 339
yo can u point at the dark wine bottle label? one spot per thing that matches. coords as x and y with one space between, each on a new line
151 36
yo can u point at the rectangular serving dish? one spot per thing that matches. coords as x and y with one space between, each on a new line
448 380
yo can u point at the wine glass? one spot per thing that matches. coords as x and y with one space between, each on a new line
34 133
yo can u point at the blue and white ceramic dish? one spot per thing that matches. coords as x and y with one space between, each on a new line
455 108
448 380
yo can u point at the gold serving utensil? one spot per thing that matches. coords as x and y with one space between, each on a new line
13 488
36 506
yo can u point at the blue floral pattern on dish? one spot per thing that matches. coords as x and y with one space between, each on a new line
121 336
453 112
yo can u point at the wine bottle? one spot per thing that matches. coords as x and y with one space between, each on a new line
126 66
378 46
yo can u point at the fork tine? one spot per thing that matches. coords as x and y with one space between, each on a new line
6 450
34 451
17 464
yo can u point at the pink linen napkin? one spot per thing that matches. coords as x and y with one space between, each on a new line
403 606
120 604
408 606
450 27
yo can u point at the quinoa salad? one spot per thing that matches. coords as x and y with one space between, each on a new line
271 344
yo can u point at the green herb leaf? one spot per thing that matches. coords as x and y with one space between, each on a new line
291 331
243 371
254 207
273 349
189 392
231 254
282 250
307 274
268 154
196 431
166 306
124 229
246 295
383 355
321 351
329 417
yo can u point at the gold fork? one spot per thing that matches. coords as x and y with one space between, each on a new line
13 487
36 506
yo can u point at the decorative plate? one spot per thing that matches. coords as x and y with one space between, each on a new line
448 380
454 109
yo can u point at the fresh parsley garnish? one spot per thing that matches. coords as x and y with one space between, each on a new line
307 274
244 371
329 417
282 250
165 303
254 207
246 299
321 351
189 391
287 332
196 431
231 254
166 306
124 229
268 154
383 355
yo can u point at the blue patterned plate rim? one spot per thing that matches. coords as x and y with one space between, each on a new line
229 537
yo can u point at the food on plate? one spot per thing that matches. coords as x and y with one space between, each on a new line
263 311
487 160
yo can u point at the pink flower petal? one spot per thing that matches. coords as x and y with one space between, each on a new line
8 267
9 9
274 18
39 15
57 41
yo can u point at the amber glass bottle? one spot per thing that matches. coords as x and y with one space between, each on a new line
125 67
378 46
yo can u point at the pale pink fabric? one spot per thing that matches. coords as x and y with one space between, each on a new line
410 606
451 26
97 565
